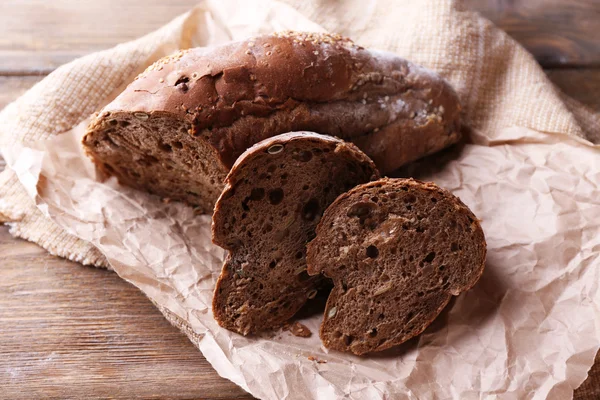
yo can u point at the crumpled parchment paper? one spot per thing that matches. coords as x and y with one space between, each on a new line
529 329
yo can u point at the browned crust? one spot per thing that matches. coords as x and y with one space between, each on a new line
240 93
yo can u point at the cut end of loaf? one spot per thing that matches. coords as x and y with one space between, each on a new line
397 251
156 153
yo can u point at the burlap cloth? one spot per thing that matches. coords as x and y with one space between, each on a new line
500 86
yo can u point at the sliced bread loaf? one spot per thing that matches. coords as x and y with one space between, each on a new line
273 199
397 251
179 127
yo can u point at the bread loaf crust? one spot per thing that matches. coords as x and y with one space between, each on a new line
229 97
240 93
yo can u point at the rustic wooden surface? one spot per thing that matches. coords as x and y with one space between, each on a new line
78 332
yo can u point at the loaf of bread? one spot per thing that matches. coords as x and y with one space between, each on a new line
273 199
179 127
397 251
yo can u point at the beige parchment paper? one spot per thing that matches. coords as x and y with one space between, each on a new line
528 330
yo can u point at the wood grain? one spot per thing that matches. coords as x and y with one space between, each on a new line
36 36
69 331
559 33
581 84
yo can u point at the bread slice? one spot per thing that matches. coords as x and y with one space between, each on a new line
179 127
273 199
397 251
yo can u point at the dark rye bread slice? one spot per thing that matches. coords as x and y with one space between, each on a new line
273 199
397 251
179 127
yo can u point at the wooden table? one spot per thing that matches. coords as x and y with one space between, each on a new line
79 332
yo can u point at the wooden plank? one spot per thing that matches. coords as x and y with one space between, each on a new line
559 33
12 87
581 84
68 331
38 35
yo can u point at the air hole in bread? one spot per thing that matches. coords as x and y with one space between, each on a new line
276 196
178 145
305 187
361 210
303 156
429 258
182 83
299 255
348 339
165 147
373 332
111 142
310 210
272 264
272 168
372 251
245 204
182 79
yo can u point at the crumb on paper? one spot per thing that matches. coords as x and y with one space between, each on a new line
300 330
319 361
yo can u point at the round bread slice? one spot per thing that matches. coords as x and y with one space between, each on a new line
274 197
397 251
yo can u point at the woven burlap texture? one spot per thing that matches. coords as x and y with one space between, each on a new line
500 86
